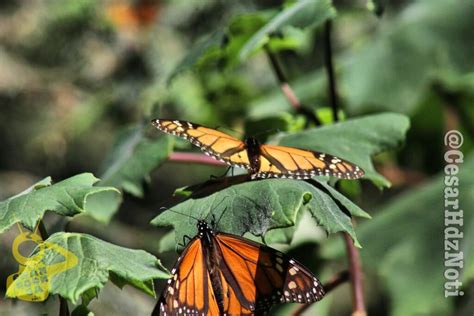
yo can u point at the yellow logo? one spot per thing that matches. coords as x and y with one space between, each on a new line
32 281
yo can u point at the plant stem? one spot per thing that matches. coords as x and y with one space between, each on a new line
355 269
332 88
334 282
63 307
287 90
195 158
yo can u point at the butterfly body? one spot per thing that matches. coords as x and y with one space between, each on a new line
206 234
252 145
261 160
224 274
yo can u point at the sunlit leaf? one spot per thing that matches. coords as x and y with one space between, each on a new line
68 197
260 206
355 140
70 264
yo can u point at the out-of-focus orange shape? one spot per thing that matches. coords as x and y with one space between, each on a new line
137 14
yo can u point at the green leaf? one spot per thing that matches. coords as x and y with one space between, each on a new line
82 310
413 226
355 140
260 206
68 198
71 264
133 157
247 33
301 14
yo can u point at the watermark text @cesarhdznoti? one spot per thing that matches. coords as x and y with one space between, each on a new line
453 215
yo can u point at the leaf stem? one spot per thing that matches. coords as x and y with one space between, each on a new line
332 88
287 90
334 282
63 307
195 158
355 268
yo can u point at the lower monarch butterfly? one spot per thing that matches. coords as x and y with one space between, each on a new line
262 161
224 274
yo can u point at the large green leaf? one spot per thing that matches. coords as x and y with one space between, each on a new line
260 206
133 157
355 140
71 264
69 197
405 245
300 14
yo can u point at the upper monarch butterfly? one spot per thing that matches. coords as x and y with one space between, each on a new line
224 274
262 161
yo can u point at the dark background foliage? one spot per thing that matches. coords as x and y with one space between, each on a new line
79 81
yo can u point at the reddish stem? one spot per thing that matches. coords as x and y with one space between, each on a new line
195 158
355 270
282 80
290 95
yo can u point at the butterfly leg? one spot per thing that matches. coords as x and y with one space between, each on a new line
223 175
183 243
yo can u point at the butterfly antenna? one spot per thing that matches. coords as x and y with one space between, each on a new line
214 223
220 217
183 214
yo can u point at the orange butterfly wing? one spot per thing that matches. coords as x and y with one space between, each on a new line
289 162
189 290
252 278
259 277
212 142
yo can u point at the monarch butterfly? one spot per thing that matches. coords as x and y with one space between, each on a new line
262 161
224 274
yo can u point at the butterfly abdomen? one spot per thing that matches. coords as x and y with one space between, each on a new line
207 236
253 152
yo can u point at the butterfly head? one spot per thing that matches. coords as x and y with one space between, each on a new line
204 229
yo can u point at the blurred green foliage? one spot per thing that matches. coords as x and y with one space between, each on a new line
79 80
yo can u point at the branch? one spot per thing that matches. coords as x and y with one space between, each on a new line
287 90
282 80
334 282
332 89
63 307
355 270
195 158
